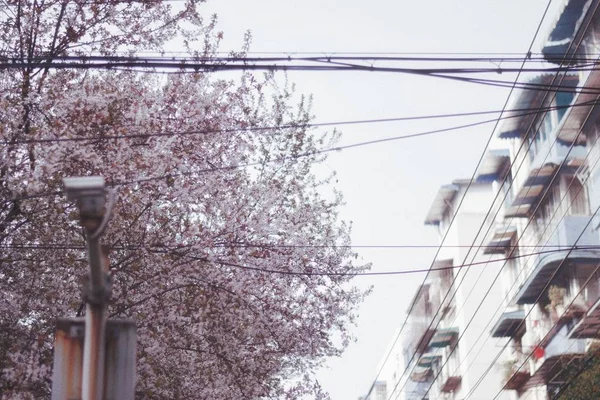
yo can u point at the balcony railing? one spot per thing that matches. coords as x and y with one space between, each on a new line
553 354
516 371
450 377
544 267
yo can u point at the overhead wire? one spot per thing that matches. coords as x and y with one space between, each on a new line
213 169
516 279
181 67
69 246
535 127
456 213
249 267
557 269
491 286
353 274
515 113
333 63
515 282
534 212
520 112
442 56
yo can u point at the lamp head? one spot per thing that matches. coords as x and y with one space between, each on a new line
88 191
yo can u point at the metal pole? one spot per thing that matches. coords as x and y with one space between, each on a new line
95 321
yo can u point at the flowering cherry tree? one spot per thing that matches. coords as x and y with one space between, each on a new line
221 243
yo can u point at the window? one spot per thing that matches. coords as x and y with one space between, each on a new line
563 99
577 197
547 210
543 130
507 188
580 281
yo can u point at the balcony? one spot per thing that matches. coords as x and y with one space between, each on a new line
422 337
427 360
536 184
589 326
415 390
559 46
531 191
517 372
518 125
444 337
421 374
553 355
545 266
422 320
494 166
575 118
501 240
449 378
510 324
551 151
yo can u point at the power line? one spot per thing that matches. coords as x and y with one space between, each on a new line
543 196
383 273
525 229
333 63
556 272
557 269
520 113
149 66
514 84
326 53
489 228
178 252
69 246
251 164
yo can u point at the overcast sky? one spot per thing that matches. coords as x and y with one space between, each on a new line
389 187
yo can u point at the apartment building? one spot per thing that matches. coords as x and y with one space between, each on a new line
513 298
444 349
551 222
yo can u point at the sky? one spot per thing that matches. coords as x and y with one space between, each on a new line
389 187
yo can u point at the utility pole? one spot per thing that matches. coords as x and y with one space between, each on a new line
91 375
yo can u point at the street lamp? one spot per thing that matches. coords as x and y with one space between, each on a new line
95 358
88 192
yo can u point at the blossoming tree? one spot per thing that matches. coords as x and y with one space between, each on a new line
221 239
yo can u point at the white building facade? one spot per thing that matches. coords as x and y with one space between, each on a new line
444 349
512 300
553 283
